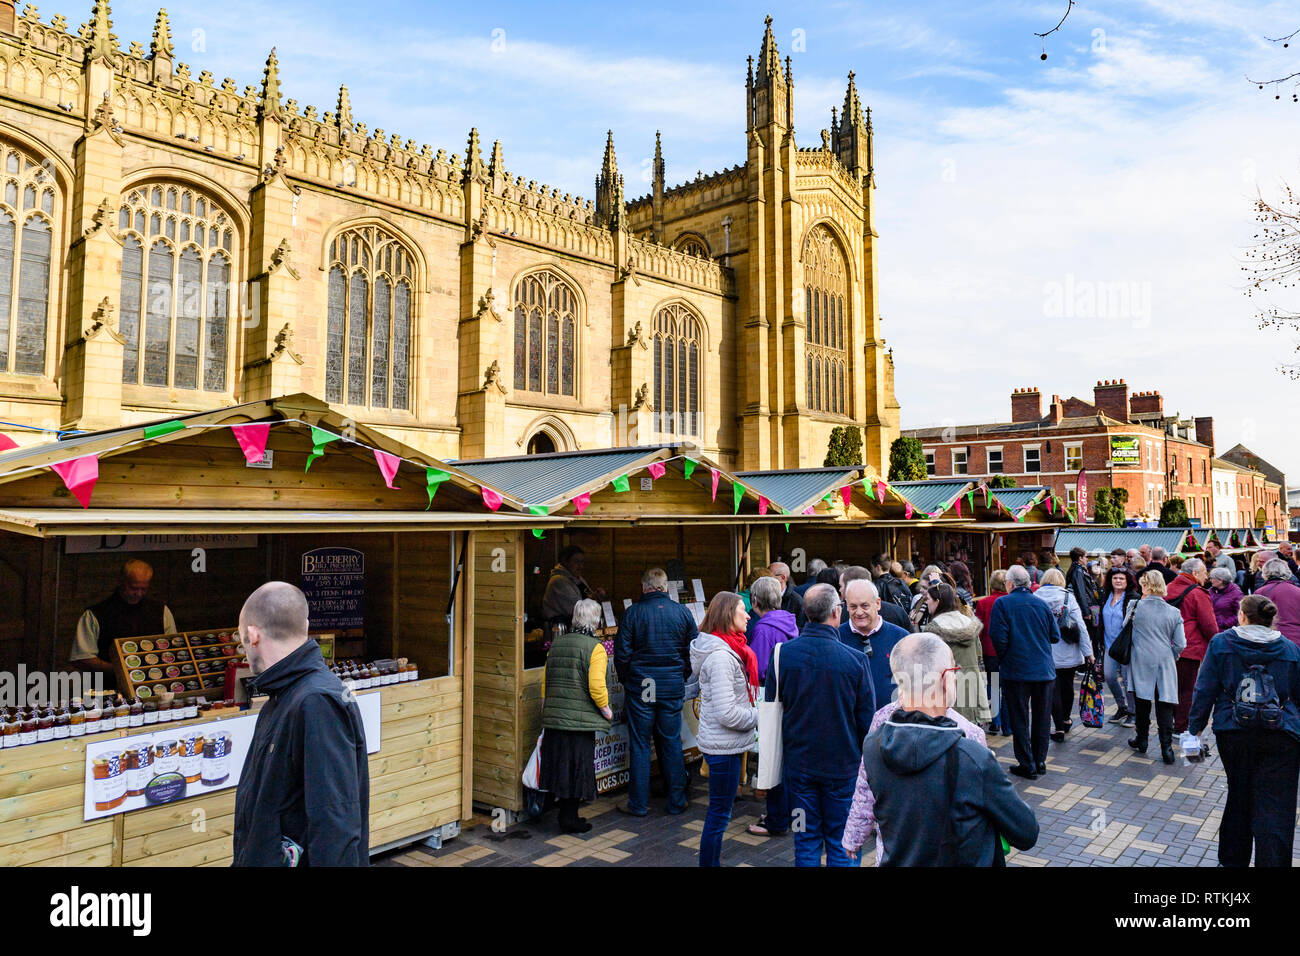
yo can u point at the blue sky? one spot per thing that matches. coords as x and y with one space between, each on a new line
1120 171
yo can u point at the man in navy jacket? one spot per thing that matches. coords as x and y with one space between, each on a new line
867 631
1023 631
829 702
652 658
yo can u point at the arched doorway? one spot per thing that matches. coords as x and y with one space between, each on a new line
541 444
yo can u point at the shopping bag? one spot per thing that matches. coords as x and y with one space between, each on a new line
1092 701
770 717
533 771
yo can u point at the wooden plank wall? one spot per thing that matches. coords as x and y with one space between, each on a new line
28 603
424 571
498 648
415 786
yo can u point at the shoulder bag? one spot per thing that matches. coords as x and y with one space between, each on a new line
1121 651
771 715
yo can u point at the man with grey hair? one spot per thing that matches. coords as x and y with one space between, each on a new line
1279 589
303 797
1186 592
790 598
127 612
828 702
1159 561
868 632
652 658
1023 630
889 611
815 567
937 797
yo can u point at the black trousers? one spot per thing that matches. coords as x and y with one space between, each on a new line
1029 708
1164 720
1262 767
1063 696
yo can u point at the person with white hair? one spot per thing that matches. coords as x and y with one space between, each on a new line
1160 562
1187 593
933 795
867 631
815 567
1277 587
790 598
1023 631
1225 597
1158 639
1070 653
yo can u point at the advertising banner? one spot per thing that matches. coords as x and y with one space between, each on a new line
1125 450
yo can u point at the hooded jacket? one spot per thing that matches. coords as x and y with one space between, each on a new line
1225 663
1064 654
1225 603
906 762
306 776
773 628
1199 624
1287 598
962 635
727 718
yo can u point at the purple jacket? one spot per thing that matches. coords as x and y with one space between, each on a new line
773 628
1225 605
1287 598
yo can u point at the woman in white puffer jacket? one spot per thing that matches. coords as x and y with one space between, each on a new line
727 671
1067 656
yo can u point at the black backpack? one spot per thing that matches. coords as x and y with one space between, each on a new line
1255 704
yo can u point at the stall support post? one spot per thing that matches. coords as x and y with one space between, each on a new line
465 613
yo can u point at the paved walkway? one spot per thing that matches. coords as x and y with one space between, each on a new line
1100 804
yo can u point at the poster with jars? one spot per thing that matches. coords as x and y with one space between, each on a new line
175 763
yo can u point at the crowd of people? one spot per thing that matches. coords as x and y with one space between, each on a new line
889 683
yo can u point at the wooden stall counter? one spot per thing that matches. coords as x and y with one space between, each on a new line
415 789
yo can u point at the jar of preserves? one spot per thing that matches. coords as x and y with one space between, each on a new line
140 770
11 731
166 757
167 710
121 714
190 709
28 728
62 724
109 782
45 725
215 768
190 748
94 714
150 713
135 714
77 719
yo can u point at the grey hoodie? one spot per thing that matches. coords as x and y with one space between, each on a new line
727 718
905 760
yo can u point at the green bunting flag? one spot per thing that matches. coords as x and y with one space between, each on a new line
433 477
163 428
539 510
787 529
737 492
970 502
688 468
319 439
620 483
867 489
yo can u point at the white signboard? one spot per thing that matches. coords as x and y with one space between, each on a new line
699 590
609 614
627 603
697 611
166 763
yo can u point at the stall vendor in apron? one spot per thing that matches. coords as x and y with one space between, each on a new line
566 587
127 612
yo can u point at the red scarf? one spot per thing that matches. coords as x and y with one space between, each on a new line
748 659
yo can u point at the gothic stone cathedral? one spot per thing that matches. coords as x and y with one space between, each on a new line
169 244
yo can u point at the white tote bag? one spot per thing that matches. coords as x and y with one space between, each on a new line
532 776
770 716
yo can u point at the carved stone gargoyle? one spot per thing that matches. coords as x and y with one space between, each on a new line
280 260
102 320
642 399
492 378
487 306
636 336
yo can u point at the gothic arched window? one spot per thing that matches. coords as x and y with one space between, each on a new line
827 323
178 254
29 213
369 320
693 245
546 335
678 342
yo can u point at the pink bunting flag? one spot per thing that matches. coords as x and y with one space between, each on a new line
7 443
715 483
252 440
958 505
907 512
810 510
80 476
881 488
388 467
846 493
1049 506
581 501
656 469
491 499
762 505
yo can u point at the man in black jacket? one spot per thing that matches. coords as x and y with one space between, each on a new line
940 798
306 781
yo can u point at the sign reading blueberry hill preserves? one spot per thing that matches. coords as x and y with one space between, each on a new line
334 580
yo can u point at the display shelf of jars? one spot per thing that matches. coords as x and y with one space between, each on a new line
186 664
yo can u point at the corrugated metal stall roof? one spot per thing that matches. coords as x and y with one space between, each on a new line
929 496
1105 540
796 489
536 479
1016 498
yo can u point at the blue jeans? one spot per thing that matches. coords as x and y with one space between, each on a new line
778 809
825 809
724 778
664 719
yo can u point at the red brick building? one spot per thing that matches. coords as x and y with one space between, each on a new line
1120 440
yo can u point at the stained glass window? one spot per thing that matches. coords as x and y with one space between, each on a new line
27 243
175 311
369 321
677 344
826 330
550 347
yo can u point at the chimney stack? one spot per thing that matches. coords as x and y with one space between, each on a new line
8 16
1147 404
1026 405
1056 410
1111 398
1205 432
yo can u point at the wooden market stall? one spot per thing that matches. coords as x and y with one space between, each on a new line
183 495
671 521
